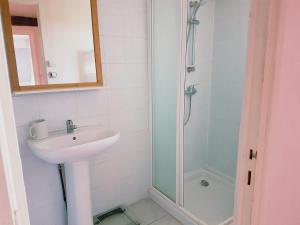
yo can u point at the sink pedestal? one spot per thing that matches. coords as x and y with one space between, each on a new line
78 193
74 150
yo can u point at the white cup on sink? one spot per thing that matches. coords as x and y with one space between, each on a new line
38 129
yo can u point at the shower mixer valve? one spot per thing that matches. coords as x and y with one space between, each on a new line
190 90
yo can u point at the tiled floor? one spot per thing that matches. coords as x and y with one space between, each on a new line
119 219
212 204
145 212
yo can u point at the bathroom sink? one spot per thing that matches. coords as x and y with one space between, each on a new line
84 143
74 150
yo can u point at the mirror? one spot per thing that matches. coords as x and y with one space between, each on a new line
55 43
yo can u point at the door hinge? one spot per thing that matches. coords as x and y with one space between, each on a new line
253 154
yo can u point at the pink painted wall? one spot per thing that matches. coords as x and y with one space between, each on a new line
280 202
5 217
19 9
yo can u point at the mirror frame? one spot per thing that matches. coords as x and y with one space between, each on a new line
11 59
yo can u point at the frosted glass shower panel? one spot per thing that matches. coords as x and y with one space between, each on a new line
165 75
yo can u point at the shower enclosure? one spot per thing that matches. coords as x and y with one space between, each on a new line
198 63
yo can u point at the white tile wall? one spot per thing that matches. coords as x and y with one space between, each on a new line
122 174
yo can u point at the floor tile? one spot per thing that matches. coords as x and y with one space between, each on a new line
145 211
120 219
167 220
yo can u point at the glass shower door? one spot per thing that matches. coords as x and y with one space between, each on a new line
217 34
165 78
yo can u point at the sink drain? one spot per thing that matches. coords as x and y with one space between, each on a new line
204 183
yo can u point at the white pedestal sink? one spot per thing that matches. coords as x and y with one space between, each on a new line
74 150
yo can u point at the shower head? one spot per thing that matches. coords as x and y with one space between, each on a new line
196 4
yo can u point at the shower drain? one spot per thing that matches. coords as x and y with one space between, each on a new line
204 183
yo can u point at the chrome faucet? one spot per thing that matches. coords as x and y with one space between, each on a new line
70 126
